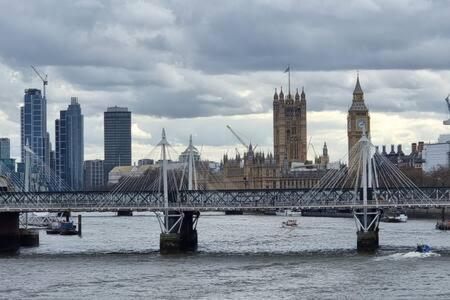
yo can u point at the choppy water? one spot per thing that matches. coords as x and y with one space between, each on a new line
248 257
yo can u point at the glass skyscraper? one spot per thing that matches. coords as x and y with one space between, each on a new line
69 153
117 138
33 121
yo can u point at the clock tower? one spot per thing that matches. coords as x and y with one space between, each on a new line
358 119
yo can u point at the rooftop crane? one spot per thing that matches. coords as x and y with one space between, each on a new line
314 149
44 81
240 139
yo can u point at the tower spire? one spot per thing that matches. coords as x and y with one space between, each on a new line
358 90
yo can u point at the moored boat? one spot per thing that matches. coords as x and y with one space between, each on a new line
63 228
68 228
54 228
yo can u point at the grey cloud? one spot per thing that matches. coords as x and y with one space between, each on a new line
191 59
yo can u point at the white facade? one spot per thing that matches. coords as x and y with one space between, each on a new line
436 156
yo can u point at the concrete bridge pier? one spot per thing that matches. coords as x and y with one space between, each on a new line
367 224
9 232
180 234
29 237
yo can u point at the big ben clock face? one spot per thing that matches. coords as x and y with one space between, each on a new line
361 123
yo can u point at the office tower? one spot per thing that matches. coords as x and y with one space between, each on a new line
117 138
5 148
69 153
5 155
33 121
93 175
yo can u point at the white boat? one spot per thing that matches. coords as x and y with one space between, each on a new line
289 223
402 217
288 213
398 217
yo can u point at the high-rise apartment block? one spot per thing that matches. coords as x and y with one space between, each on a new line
93 175
69 153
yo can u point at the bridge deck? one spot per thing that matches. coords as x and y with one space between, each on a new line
218 200
212 208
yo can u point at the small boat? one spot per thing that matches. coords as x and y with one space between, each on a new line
288 213
67 228
63 228
443 225
398 217
54 228
289 223
423 248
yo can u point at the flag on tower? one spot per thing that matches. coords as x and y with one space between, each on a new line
288 70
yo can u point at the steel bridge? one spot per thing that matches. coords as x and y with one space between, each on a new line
217 200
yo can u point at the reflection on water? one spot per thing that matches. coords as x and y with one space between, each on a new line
239 257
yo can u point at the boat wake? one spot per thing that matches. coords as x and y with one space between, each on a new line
407 255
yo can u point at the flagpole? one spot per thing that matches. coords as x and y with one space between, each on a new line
289 81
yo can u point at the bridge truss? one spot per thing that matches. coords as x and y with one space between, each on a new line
213 200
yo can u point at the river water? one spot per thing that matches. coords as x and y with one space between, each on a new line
239 257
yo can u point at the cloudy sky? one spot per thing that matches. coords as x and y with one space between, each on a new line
195 66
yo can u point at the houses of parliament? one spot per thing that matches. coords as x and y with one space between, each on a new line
287 167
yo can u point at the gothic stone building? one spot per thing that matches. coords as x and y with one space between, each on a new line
289 128
259 171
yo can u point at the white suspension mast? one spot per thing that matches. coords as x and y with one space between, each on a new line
27 168
364 181
190 164
366 172
27 175
163 143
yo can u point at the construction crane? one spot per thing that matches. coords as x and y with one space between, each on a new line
447 122
314 149
240 139
44 81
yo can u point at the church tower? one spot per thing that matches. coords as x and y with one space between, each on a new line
358 120
289 127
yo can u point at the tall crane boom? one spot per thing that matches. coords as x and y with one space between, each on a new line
238 137
44 80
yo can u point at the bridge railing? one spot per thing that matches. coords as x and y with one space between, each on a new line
263 198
